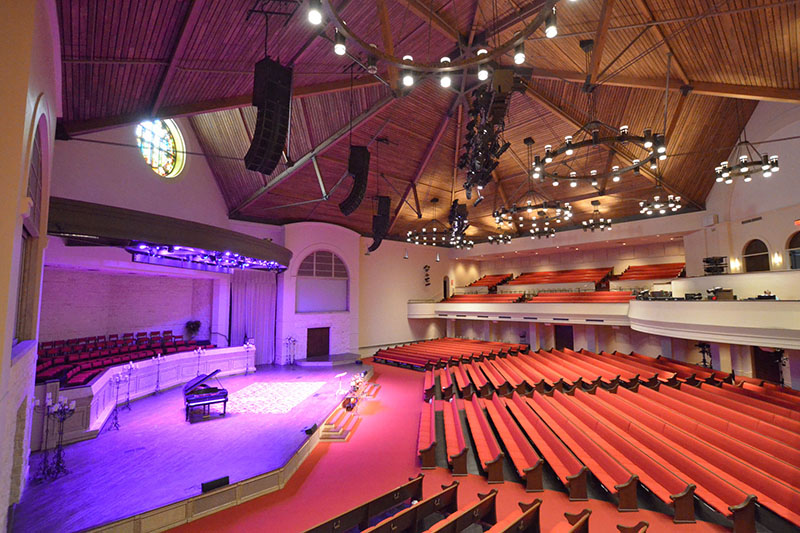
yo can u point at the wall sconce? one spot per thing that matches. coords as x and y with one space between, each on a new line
405 255
777 259
736 265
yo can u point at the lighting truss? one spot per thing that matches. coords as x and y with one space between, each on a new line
197 258
748 161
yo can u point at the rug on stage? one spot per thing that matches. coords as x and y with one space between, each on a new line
275 397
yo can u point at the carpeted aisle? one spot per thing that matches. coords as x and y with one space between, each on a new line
381 455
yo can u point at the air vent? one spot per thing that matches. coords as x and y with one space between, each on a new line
595 320
461 316
529 318
483 316
749 220
561 319
507 317
440 314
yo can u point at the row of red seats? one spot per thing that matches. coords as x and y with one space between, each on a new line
583 297
103 338
92 352
662 271
723 423
595 275
485 298
437 352
491 280
140 343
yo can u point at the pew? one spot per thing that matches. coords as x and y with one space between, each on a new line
462 381
361 515
410 519
454 438
426 445
481 512
498 381
566 466
445 383
527 463
429 385
576 523
482 386
489 453
528 521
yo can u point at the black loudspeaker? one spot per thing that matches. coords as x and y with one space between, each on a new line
272 91
358 166
217 483
310 430
380 222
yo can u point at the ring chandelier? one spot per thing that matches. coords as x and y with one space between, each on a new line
653 143
482 54
660 205
597 222
749 161
436 233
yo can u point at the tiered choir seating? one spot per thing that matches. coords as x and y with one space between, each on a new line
442 352
491 280
685 433
75 362
594 275
646 272
583 297
509 298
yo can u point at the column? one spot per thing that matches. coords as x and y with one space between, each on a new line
742 360
486 330
547 337
450 325
579 336
533 336
721 356
666 346
791 372
591 338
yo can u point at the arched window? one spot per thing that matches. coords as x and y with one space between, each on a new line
756 256
794 251
161 145
322 284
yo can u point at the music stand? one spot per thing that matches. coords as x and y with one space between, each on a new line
340 376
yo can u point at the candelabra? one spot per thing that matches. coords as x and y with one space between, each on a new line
248 347
53 467
158 360
117 380
130 367
291 347
200 351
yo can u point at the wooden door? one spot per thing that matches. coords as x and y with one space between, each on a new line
564 338
766 365
318 343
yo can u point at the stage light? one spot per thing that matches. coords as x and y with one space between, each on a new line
445 80
408 76
550 25
315 12
519 53
339 47
568 143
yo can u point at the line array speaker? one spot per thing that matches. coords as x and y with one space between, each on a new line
358 167
272 91
380 222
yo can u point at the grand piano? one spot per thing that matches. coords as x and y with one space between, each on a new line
198 394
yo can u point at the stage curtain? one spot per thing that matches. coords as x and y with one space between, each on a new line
253 297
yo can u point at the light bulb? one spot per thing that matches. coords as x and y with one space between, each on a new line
445 80
551 28
483 74
339 47
315 12
519 54
408 79
573 183
555 183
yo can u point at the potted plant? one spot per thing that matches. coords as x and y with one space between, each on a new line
192 328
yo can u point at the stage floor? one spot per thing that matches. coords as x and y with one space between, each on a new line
156 458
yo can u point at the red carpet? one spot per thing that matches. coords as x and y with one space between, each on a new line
381 455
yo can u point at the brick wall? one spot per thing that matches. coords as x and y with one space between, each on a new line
80 303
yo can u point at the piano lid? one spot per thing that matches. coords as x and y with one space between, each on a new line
196 382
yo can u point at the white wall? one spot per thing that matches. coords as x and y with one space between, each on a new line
776 200
81 303
387 282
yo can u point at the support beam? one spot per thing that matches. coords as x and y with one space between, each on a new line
600 41
502 192
607 167
324 145
623 152
187 30
648 14
388 42
676 116
416 200
725 90
426 158
437 21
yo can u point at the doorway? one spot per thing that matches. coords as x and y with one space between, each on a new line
564 338
446 288
318 344
767 364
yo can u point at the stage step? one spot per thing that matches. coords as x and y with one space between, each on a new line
339 426
371 390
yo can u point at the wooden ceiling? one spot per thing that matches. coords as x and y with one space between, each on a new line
131 59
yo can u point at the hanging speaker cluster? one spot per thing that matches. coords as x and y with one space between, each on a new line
358 167
272 90
380 222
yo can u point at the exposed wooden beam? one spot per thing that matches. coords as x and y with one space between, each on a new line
600 40
676 116
324 145
416 200
623 152
648 14
607 167
437 21
514 18
426 158
187 29
388 42
502 192
83 127
726 90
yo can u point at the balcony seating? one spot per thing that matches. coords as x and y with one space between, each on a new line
489 453
427 437
648 272
583 297
491 280
502 298
594 275
442 352
454 439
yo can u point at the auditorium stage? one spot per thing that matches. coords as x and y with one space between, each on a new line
156 458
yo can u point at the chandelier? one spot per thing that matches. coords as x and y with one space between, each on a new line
434 232
748 161
596 222
476 57
660 204
504 238
542 232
